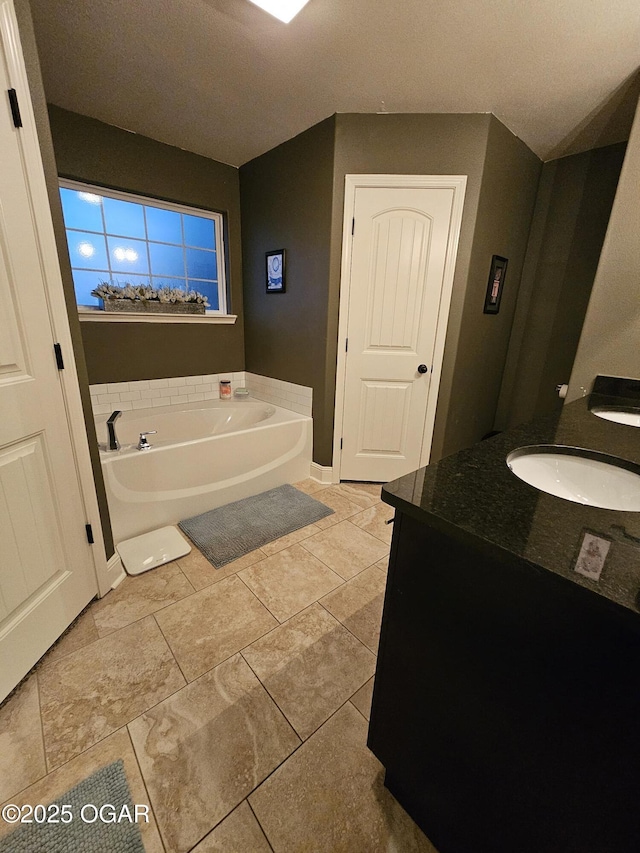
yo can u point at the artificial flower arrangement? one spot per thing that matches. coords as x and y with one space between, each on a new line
137 297
146 293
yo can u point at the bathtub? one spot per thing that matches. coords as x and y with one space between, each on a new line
204 455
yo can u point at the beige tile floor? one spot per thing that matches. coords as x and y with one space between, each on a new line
237 698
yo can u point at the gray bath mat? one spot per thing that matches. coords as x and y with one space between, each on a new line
231 531
108 786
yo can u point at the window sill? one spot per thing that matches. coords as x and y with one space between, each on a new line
96 315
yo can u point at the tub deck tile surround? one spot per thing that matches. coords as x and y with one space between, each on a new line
204 750
147 393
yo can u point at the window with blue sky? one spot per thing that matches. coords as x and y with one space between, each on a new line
121 238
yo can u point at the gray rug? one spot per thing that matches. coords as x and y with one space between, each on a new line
106 786
231 531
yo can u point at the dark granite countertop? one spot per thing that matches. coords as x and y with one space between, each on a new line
474 496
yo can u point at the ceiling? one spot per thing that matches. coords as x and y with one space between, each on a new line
224 79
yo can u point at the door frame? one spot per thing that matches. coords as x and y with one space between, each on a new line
458 184
106 573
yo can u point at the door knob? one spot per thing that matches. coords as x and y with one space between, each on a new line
422 368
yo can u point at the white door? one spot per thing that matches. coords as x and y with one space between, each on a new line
46 570
401 260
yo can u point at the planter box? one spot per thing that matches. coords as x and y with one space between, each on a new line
138 306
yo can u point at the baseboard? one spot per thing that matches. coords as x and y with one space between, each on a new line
115 572
321 473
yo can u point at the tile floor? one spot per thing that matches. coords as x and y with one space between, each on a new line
237 698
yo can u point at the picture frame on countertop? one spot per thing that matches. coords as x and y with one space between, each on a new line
276 273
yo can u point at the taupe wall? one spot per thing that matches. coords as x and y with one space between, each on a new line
507 198
572 211
88 150
610 340
418 145
36 88
502 178
293 198
286 204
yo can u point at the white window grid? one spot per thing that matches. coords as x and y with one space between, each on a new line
217 219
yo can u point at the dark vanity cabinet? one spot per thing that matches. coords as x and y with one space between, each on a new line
506 706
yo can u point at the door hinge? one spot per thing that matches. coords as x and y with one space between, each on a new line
341 444
59 359
89 530
353 226
15 107
346 345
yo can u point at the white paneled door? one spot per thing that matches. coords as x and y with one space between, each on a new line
46 571
401 254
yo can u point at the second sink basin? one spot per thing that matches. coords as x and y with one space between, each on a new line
578 475
620 416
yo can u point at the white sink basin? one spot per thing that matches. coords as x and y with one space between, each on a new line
620 416
581 476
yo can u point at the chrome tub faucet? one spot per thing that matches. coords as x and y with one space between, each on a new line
143 444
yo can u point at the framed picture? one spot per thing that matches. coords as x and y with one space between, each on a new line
495 284
276 282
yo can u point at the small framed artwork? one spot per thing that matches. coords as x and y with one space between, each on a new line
495 284
276 281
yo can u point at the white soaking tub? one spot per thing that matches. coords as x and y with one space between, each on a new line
204 455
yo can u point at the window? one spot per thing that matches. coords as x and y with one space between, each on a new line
118 238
